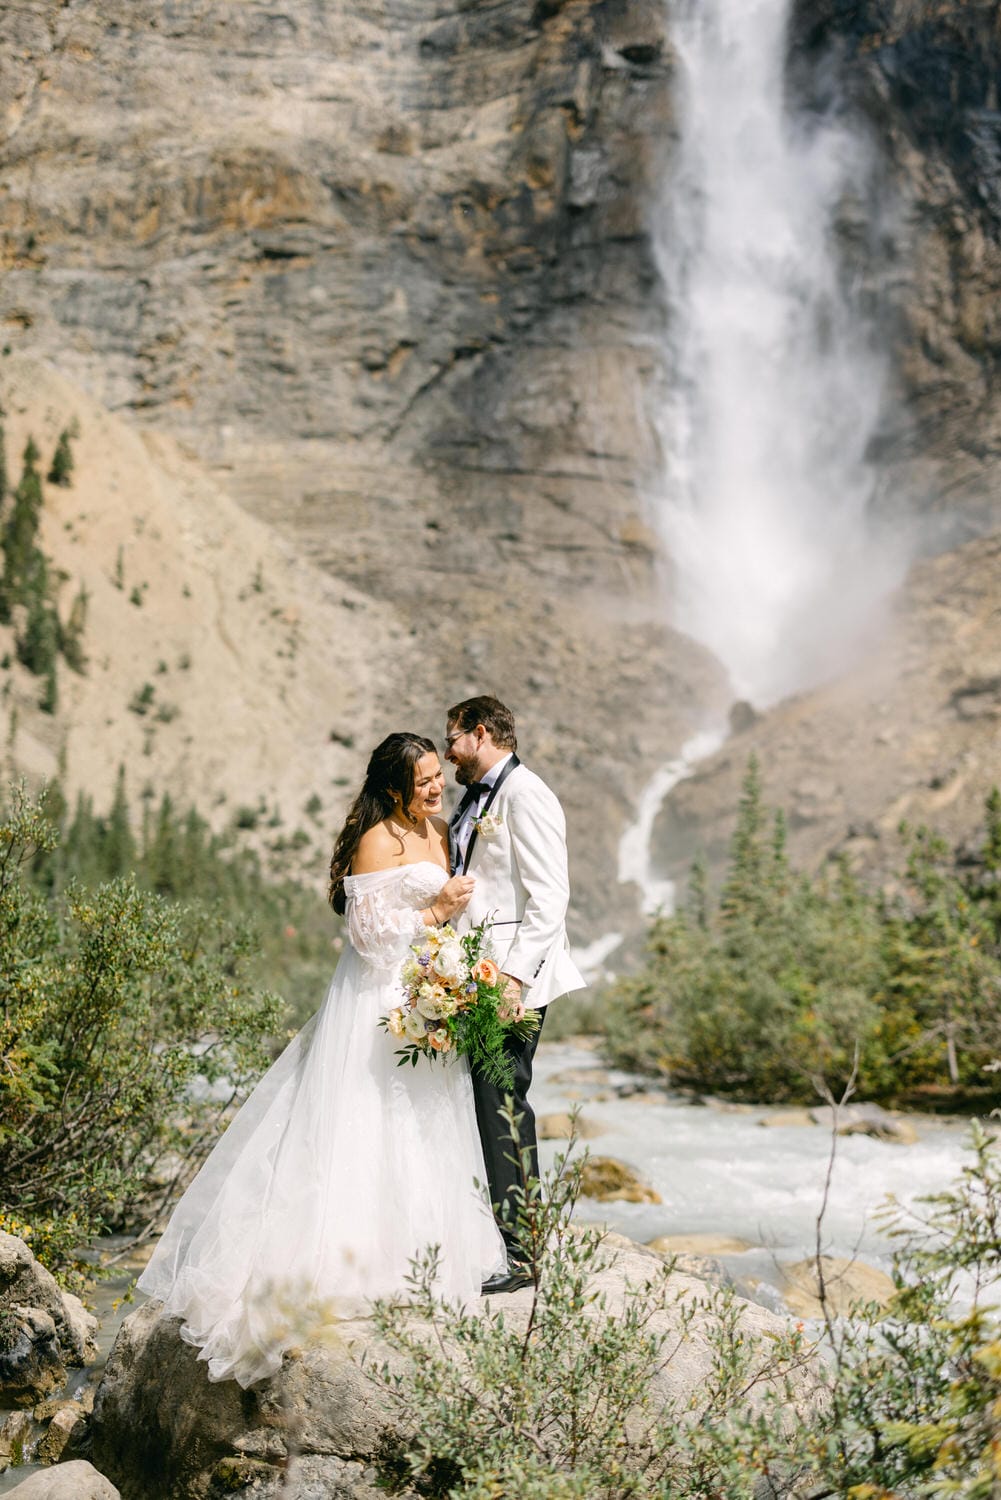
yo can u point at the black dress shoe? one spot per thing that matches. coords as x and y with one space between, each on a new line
517 1275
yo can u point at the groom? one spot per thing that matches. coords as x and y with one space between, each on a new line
509 832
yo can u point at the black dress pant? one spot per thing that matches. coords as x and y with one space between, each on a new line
502 1173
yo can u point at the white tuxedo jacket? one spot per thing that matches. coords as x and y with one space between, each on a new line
523 886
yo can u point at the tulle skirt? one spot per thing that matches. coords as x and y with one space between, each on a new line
336 1173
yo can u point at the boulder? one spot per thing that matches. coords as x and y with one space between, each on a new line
866 1119
66 1428
846 1283
557 1127
45 1329
604 1178
14 1433
163 1431
699 1244
77 1480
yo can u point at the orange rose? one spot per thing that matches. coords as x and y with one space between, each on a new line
440 1040
486 972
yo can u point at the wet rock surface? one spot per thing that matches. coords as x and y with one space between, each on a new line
44 1328
604 1179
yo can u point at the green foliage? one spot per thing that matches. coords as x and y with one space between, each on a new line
568 1399
121 1014
26 588
775 987
61 468
71 634
3 461
564 1399
175 854
142 699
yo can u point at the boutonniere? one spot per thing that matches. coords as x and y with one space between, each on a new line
488 825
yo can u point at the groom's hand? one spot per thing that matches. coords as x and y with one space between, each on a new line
512 995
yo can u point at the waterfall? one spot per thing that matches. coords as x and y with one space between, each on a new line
773 382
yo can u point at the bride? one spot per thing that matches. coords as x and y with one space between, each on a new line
341 1167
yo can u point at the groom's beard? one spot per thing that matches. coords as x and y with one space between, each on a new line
465 770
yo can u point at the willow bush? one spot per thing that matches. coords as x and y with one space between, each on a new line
128 1024
896 1403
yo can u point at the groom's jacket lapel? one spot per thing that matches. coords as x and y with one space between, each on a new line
514 761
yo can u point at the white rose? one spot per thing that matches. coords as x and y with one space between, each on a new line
413 1026
429 1006
451 962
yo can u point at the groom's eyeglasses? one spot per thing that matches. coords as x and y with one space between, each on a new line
450 739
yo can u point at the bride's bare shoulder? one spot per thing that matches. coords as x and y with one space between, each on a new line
378 849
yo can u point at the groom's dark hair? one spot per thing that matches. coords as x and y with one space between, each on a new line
491 713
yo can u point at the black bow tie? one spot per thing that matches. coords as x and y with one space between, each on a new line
474 793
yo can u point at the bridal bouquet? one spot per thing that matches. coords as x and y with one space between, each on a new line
454 1001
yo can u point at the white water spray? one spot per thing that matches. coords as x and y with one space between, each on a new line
774 387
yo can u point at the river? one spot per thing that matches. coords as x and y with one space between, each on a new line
718 1171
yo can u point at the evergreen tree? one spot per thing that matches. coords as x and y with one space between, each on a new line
37 648
161 856
61 468
71 634
746 883
19 533
118 845
3 461
698 893
80 850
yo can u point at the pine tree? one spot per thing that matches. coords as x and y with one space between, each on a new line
698 893
49 701
61 468
37 648
71 634
3 461
19 533
989 892
745 889
81 848
118 844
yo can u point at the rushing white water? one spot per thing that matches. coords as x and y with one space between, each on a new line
634 847
718 1172
774 388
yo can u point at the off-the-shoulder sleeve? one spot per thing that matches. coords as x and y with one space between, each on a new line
381 927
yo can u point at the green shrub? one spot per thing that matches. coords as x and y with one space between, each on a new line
775 985
113 1001
563 1403
900 1404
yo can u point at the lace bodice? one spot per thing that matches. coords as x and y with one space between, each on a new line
384 910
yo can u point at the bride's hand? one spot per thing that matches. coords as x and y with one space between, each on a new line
454 896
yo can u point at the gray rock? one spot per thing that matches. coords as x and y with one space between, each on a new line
16 1428
76 1480
866 1119
163 1431
51 1328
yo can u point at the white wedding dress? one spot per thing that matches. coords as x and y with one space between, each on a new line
339 1169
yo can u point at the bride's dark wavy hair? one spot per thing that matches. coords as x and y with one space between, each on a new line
391 770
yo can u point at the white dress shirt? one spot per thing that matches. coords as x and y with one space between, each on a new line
464 828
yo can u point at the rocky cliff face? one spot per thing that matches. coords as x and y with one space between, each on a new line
924 78
383 268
